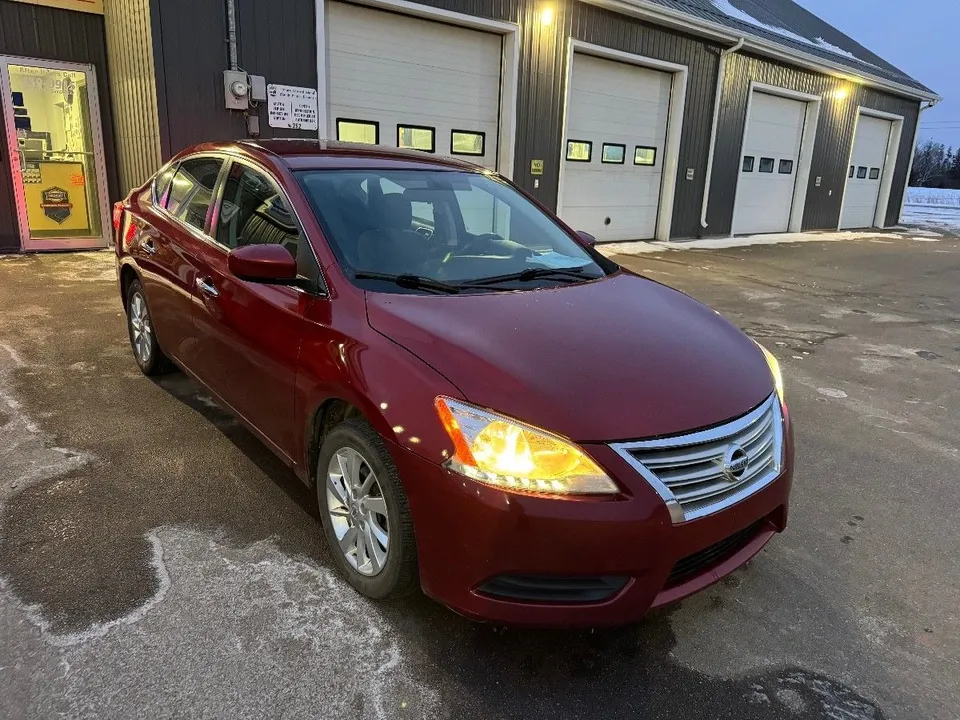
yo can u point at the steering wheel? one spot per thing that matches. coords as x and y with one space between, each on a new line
425 231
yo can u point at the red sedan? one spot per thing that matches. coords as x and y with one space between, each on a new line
487 407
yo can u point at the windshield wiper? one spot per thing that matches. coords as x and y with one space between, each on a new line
567 274
414 282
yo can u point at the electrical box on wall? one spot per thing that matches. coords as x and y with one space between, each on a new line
236 89
258 88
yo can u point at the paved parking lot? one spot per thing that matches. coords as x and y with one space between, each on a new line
156 561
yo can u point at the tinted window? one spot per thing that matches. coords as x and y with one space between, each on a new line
861 172
255 212
766 165
191 190
786 167
748 163
874 173
444 225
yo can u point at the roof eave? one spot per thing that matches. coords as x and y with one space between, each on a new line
648 10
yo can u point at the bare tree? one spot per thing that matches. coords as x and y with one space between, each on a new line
929 162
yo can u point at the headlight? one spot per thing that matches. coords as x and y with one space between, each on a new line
510 455
774 370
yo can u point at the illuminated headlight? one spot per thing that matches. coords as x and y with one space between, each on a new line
774 370
510 455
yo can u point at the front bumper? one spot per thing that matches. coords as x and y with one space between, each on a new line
469 534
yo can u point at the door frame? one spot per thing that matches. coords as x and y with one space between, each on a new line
807 141
889 164
99 156
675 110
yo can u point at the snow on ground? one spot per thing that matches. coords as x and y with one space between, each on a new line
933 196
640 248
736 13
943 217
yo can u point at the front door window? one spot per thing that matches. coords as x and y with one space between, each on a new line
56 158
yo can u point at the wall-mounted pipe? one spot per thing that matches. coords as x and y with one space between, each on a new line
232 33
718 97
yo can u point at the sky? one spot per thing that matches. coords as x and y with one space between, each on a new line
918 36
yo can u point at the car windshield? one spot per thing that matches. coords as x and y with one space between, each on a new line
443 231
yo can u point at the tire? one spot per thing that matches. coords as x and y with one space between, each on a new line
397 574
143 340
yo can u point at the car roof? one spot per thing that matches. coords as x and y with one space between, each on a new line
302 154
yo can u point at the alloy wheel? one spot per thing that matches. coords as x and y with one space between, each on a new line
141 331
358 511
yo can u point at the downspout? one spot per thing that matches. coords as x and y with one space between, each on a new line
913 156
721 73
232 33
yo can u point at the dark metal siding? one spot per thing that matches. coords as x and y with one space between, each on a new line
275 39
833 143
602 27
52 34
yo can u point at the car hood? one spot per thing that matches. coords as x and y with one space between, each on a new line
615 359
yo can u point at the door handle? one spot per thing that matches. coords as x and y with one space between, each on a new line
149 247
207 288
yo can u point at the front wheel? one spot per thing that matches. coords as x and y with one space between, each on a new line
146 350
364 511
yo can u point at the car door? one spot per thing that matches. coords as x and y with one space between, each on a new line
172 224
249 332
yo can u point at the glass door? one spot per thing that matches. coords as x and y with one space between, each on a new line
55 150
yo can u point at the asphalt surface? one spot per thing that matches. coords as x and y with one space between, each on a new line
156 561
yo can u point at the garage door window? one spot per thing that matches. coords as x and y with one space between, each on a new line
579 150
613 154
853 169
644 155
464 142
786 167
766 165
874 173
861 172
358 131
416 137
748 161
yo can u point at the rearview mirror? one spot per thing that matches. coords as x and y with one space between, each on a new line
263 263
587 237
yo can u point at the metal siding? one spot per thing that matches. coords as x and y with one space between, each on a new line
602 27
833 143
276 40
36 31
133 90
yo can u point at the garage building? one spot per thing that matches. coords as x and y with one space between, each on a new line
634 119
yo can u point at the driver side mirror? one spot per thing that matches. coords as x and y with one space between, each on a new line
587 237
263 263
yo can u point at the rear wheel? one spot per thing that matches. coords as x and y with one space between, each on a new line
364 511
146 350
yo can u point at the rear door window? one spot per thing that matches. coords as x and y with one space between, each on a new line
191 190
161 185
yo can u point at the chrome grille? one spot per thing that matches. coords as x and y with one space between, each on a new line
700 473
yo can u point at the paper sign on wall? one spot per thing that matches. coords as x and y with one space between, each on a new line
292 107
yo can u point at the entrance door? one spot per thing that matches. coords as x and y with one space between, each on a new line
55 153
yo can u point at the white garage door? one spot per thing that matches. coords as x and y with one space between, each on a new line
616 135
768 168
866 172
401 81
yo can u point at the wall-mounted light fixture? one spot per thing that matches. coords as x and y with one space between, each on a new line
840 94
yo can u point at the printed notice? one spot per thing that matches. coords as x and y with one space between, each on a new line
292 107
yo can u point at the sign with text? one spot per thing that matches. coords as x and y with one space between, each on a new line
89 6
292 107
